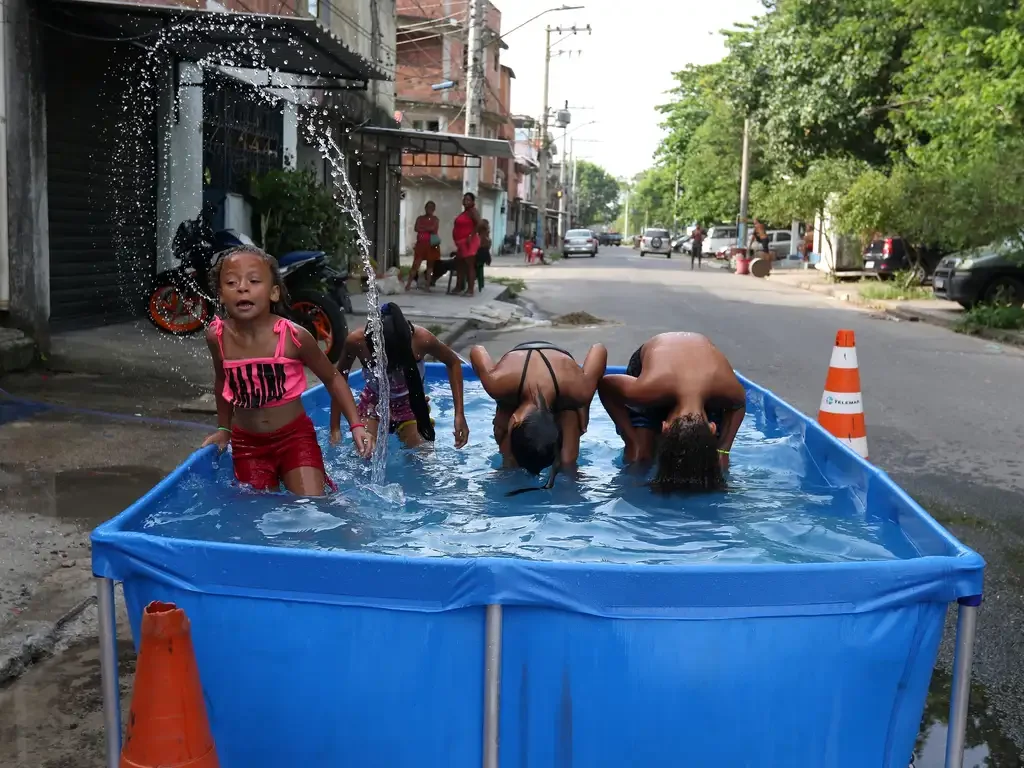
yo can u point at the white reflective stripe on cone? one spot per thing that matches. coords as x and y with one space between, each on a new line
844 403
859 444
844 357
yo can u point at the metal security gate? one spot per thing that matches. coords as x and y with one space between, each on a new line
102 181
242 138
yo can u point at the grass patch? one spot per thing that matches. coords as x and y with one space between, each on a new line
435 329
998 316
514 284
893 291
554 256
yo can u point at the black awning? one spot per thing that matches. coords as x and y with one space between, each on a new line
429 144
294 45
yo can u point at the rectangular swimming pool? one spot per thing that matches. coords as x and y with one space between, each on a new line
345 655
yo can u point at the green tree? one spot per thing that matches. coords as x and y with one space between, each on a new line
597 194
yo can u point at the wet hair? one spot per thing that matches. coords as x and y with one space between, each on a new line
398 348
536 444
280 307
688 457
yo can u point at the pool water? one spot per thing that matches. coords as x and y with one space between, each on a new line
447 502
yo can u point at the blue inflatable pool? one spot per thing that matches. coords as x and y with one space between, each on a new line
321 658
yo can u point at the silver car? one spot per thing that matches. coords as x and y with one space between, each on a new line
579 241
656 241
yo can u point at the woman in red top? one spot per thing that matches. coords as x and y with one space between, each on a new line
428 244
465 233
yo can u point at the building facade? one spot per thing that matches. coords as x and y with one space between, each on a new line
432 50
105 158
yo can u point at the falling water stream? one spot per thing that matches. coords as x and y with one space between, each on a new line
315 121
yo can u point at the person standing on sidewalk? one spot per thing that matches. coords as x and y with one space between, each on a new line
483 254
428 244
466 234
696 246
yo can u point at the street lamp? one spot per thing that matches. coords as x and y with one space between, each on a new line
534 18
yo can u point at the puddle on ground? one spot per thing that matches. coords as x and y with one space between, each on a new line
84 495
986 746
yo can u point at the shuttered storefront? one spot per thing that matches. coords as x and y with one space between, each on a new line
102 181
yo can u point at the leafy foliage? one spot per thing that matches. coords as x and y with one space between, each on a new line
903 116
597 194
296 212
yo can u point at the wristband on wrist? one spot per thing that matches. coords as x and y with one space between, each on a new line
724 453
354 427
224 429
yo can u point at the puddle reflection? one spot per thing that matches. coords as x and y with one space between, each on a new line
986 746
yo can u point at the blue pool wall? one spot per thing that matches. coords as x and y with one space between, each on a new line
320 658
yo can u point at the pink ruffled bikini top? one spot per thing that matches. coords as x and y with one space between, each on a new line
262 382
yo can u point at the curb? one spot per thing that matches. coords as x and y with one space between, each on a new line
1012 338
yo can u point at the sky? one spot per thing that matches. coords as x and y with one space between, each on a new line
623 72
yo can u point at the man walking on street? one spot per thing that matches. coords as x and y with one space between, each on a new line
696 246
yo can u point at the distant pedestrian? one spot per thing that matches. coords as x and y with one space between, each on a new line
428 244
483 254
696 246
466 234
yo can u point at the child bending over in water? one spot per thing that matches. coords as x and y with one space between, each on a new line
405 346
259 378
680 403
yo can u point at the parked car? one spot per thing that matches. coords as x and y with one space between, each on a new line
720 236
993 273
884 256
579 241
683 244
610 238
656 241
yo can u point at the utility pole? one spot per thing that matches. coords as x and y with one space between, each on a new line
744 185
675 207
626 233
474 81
562 172
542 187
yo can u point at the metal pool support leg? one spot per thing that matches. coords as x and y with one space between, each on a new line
108 670
492 684
966 623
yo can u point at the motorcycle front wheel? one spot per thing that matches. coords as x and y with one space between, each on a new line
176 312
320 315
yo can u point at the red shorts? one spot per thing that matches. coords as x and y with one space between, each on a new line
261 459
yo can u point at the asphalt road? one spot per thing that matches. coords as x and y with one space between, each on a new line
943 415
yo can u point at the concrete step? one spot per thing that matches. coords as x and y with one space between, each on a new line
16 350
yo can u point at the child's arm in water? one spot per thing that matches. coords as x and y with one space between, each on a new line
225 410
349 353
314 358
593 369
731 419
445 354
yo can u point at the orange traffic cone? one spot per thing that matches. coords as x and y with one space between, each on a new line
842 410
167 727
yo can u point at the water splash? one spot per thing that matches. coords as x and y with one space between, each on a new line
315 121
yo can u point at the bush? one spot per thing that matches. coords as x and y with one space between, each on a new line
998 316
295 212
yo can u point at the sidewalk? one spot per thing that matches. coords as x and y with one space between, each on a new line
945 314
136 350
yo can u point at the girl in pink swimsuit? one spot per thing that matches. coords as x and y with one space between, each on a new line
259 361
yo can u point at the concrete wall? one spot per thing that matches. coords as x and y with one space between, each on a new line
180 192
27 212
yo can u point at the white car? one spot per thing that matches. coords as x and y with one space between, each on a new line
656 241
718 237
581 241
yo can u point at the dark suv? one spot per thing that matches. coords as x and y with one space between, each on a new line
994 273
610 238
887 255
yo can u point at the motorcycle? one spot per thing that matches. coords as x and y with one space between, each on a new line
182 302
